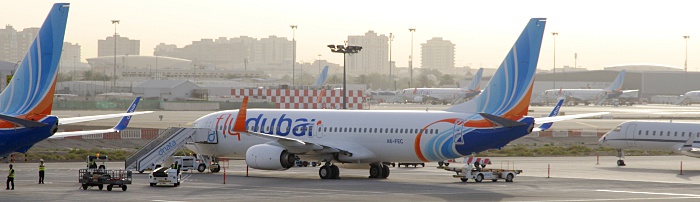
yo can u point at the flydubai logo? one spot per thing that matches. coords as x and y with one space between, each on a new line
282 126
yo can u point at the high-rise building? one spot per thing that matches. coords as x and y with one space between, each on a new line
14 44
437 53
125 46
374 56
234 53
70 56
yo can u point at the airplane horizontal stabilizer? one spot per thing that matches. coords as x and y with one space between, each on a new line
501 121
568 117
22 122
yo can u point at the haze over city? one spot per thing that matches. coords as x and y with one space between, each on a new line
602 33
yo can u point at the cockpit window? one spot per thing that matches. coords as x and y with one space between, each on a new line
617 129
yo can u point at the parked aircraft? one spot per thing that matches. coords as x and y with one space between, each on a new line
587 96
444 95
650 135
689 98
272 139
25 105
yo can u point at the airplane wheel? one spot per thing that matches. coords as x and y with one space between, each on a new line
336 172
385 171
325 172
123 187
620 162
85 186
375 171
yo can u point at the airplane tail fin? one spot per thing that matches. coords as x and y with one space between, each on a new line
475 85
617 84
31 89
322 77
508 93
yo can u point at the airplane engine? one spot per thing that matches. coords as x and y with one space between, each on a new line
269 157
418 99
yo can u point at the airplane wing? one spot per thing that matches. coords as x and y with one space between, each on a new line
568 117
121 125
553 117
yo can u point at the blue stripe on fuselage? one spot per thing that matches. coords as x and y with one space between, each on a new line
493 138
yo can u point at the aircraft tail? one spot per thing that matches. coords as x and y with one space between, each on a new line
508 93
475 85
322 77
617 84
31 89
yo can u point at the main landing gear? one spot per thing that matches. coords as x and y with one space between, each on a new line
329 171
620 154
378 170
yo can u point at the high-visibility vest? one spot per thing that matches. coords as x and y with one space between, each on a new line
42 167
12 173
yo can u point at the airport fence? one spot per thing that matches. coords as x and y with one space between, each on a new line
145 104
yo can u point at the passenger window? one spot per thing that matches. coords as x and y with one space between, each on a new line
401 131
646 132
653 133
684 134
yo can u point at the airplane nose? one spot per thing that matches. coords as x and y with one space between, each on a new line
602 139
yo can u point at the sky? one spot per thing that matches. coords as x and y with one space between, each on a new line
601 32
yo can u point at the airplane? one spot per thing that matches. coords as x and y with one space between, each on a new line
322 77
587 96
689 98
444 95
26 102
273 139
653 135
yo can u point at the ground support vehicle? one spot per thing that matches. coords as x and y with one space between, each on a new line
475 168
165 176
100 177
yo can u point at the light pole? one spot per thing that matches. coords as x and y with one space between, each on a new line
344 50
391 39
75 78
554 68
319 64
155 77
686 53
294 50
410 59
114 73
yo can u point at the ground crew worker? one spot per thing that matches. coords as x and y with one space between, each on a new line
42 168
91 163
10 178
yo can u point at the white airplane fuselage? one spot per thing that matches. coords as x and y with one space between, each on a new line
441 94
648 135
581 95
375 136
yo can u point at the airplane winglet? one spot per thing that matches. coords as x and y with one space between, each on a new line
501 121
688 146
22 122
554 113
124 122
240 118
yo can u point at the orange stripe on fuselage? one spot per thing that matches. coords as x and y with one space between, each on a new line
471 123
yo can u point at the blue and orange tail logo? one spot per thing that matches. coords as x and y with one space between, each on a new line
508 93
29 94
616 85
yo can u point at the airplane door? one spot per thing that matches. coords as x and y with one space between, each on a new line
457 132
631 142
319 131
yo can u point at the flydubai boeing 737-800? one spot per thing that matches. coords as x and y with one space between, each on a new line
272 139
25 105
